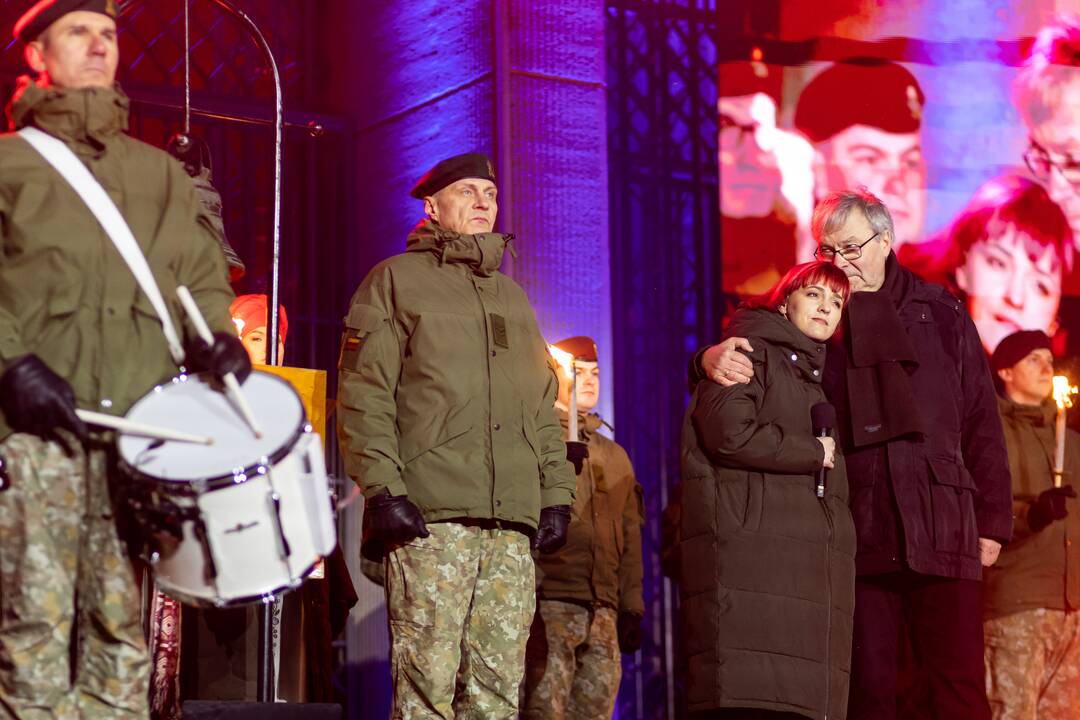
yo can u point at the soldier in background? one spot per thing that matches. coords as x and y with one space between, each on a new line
589 602
1032 594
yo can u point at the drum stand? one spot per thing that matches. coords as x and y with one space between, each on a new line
266 684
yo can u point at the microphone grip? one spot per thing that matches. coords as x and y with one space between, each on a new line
823 432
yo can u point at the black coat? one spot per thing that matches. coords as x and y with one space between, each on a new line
767 569
951 486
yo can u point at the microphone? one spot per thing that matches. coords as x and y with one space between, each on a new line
823 418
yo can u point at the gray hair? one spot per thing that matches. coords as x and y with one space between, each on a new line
832 212
1053 64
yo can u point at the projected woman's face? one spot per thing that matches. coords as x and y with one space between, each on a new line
1009 288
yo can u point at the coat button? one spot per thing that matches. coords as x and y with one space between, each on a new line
106 403
794 357
498 426
492 353
816 372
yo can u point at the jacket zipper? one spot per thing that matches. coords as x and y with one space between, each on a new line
828 605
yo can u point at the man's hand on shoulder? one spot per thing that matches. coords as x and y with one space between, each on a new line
726 364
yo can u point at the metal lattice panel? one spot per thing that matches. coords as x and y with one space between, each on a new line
665 234
224 61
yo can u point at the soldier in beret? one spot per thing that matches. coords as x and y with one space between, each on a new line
766 180
1032 594
77 332
446 420
589 603
864 117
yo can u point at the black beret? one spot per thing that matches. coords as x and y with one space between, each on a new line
37 19
450 170
860 91
1014 348
581 347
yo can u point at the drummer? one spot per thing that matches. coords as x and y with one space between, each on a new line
76 332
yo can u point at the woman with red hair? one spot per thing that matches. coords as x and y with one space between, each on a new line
767 555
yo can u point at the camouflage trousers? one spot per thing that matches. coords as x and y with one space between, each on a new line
572 665
1033 665
460 603
71 638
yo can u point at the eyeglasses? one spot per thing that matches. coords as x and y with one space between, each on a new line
1040 162
848 252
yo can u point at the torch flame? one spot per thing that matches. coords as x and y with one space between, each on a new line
564 359
1063 392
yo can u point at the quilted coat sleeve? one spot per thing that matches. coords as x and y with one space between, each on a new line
728 427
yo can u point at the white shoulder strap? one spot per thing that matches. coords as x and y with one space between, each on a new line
101 205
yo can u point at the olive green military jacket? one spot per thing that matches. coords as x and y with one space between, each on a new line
601 561
66 295
445 392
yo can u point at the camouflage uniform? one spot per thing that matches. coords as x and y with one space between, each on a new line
573 660
1033 665
1031 595
63 564
580 675
433 585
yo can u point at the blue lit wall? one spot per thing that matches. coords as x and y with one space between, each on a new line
421 83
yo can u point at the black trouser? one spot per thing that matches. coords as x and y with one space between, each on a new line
938 623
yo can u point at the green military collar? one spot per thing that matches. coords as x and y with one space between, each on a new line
88 115
483 252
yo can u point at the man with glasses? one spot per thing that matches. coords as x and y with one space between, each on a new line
1048 98
926 460
864 119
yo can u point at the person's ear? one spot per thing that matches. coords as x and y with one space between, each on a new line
430 208
35 56
962 278
782 308
1006 375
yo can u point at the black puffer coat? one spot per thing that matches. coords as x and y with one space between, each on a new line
767 569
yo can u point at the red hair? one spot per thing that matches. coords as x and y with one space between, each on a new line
800 276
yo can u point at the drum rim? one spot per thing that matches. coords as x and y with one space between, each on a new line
243 600
216 482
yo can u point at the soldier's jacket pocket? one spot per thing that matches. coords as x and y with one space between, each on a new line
361 321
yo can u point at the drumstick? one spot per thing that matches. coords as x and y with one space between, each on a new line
232 385
130 427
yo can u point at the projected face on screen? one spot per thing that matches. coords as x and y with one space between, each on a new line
890 165
1012 283
749 174
1054 154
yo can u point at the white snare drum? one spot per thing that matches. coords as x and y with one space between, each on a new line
240 519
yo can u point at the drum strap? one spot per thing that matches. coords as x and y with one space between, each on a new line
60 156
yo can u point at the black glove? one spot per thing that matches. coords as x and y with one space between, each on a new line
226 355
629 630
393 519
551 532
1048 507
36 400
577 453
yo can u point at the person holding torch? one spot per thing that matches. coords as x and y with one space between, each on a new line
589 602
1031 627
